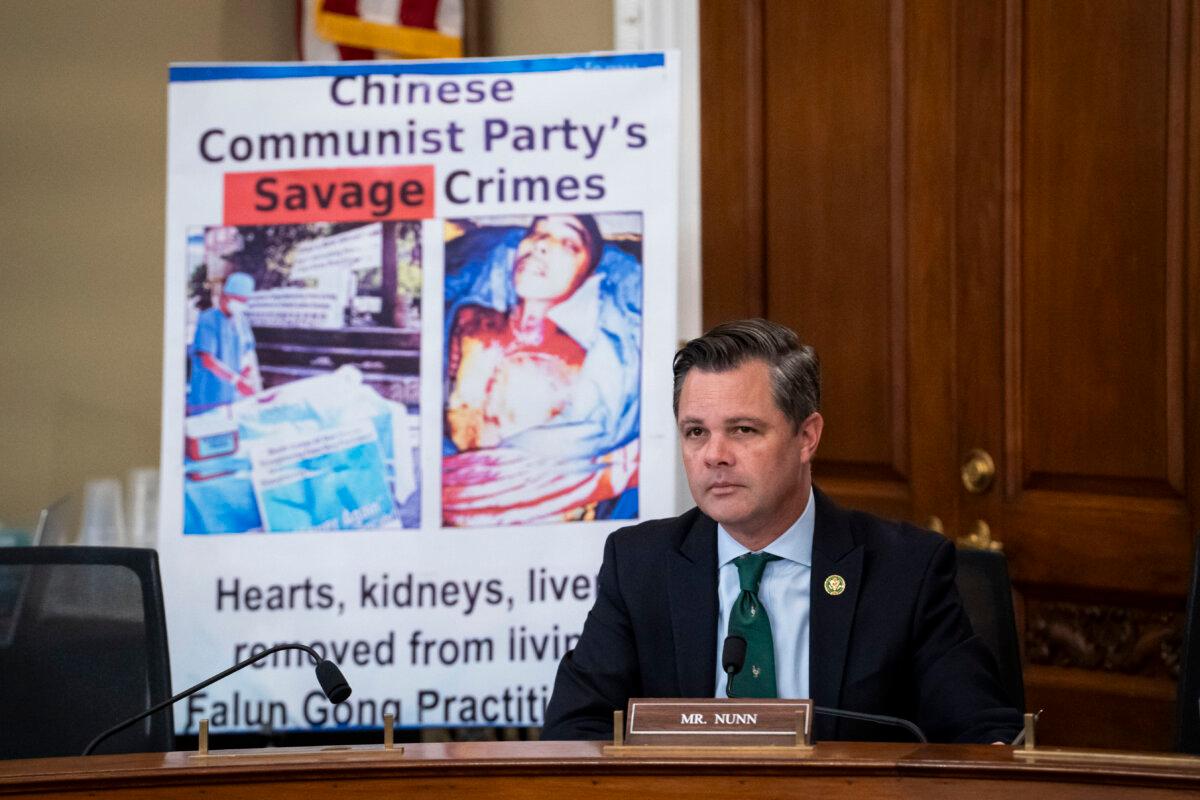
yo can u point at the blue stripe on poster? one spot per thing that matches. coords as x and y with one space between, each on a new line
227 72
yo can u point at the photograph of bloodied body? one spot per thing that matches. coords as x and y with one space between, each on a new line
543 343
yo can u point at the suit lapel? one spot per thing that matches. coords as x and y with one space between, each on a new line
832 614
692 593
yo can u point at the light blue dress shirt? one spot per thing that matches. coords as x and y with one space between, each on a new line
784 592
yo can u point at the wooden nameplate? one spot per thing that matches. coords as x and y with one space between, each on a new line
699 727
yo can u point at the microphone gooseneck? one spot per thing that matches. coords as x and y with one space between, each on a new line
333 684
882 719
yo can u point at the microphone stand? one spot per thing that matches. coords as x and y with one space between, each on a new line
336 693
898 722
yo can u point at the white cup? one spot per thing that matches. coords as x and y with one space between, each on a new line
103 517
143 507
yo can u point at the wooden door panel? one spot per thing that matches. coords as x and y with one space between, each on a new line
985 215
1092 491
984 202
926 245
1055 542
1094 185
731 151
833 206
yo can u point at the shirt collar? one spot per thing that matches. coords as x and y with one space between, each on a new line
795 544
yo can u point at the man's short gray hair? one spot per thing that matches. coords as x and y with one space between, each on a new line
795 368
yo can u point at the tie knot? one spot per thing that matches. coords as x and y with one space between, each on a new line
750 568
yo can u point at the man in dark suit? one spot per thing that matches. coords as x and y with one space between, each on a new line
856 612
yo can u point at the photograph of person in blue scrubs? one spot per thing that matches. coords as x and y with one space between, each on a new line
224 361
302 395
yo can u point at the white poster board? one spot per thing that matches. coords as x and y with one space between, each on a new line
419 325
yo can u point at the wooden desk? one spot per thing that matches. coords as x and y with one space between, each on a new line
464 771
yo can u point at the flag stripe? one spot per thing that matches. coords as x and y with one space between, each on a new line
347 30
419 13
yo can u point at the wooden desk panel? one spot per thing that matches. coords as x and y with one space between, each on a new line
520 770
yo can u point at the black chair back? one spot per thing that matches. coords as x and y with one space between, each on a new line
986 592
83 645
1189 666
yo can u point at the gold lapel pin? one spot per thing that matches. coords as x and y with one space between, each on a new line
835 585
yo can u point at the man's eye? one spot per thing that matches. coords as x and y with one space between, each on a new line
692 433
744 430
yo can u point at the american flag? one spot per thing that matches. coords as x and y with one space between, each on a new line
354 30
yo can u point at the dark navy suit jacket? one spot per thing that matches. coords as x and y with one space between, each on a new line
895 642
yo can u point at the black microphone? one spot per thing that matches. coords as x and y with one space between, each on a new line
733 658
733 655
333 684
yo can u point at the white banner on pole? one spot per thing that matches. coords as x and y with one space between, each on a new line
420 319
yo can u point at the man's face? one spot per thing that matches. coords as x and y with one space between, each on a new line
552 259
747 468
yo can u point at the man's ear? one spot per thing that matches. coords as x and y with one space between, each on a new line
810 435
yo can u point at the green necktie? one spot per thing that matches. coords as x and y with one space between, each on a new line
748 619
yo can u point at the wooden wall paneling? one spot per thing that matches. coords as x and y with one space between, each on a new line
1094 208
1094 506
930 230
984 215
1094 337
1191 278
1176 246
897 265
983 130
1009 261
835 219
1089 708
731 160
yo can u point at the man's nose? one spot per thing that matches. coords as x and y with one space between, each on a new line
717 451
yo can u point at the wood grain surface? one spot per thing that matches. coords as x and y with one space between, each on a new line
569 769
